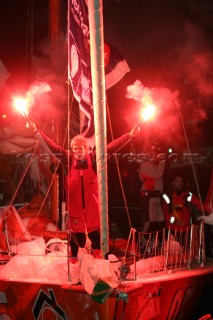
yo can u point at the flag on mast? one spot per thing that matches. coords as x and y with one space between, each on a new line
79 66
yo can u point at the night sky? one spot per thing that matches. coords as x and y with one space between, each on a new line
168 44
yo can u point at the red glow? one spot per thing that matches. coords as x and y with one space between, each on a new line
149 107
21 105
148 112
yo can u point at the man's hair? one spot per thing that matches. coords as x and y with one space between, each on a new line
79 140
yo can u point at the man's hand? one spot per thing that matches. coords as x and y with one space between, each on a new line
207 219
134 132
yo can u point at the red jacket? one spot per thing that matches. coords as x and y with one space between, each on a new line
181 210
81 185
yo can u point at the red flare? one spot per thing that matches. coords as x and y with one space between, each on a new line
148 112
21 105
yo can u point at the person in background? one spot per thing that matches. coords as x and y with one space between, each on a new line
182 208
81 186
151 174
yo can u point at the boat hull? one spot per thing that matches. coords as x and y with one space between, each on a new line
167 296
174 295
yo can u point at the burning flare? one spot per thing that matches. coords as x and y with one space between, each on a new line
148 112
21 105
155 101
140 93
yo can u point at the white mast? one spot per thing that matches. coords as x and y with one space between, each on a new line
95 9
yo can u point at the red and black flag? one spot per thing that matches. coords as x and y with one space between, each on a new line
80 66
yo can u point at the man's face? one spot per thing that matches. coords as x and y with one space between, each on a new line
177 184
79 151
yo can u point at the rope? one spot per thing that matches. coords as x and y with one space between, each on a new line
192 164
118 169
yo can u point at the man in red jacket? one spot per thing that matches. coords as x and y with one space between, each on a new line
181 207
82 186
